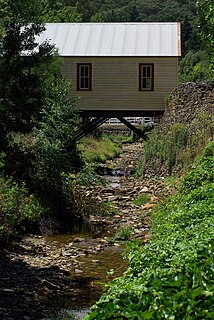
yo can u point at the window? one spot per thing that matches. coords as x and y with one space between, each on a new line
84 76
146 77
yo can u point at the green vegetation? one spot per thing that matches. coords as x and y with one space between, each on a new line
19 210
177 148
124 233
194 66
162 148
98 150
206 25
142 199
140 170
37 124
172 276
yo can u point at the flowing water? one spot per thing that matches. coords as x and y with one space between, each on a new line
95 270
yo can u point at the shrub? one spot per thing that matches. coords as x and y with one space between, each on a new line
179 146
19 210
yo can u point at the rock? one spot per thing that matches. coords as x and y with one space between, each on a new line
148 206
78 239
95 261
78 271
49 285
103 240
65 272
154 199
145 190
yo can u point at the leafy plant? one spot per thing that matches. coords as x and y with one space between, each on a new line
142 199
140 169
19 210
123 234
172 276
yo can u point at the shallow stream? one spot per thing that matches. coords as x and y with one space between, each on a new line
95 270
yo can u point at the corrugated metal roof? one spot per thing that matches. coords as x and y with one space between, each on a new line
114 39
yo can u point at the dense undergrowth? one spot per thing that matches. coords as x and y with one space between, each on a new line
177 149
172 277
19 211
22 211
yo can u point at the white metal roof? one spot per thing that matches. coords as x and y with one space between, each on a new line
114 39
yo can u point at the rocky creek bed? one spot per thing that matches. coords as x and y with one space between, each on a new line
40 275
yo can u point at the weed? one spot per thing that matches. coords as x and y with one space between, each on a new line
142 199
123 234
140 169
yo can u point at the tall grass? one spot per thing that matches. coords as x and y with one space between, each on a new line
180 144
98 150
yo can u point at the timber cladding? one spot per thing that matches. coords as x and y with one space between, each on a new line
115 82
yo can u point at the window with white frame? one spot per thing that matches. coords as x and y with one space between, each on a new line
84 76
146 77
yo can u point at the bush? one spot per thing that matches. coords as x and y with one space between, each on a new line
194 67
172 276
19 210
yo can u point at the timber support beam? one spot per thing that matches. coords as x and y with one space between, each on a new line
137 131
89 127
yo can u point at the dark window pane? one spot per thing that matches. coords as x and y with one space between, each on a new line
148 83
86 83
81 71
82 84
86 71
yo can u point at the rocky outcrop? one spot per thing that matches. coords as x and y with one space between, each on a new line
188 103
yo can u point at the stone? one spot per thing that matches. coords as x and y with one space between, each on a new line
148 206
78 239
145 190
154 199
78 271
95 261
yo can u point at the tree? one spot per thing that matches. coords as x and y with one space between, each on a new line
206 25
194 67
26 73
53 153
37 118
58 12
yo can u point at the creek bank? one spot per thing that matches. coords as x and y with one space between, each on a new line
39 272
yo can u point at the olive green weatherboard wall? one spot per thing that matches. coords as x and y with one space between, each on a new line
115 82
